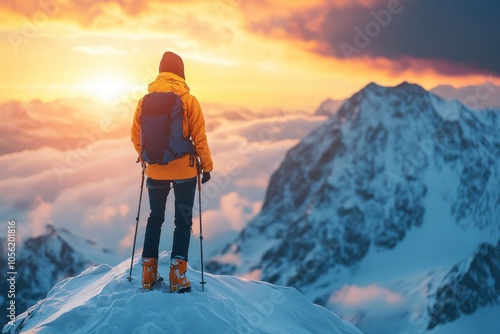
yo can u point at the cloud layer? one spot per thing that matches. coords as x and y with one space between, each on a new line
453 37
93 190
58 124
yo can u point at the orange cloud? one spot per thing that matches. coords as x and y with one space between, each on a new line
279 51
352 296
83 11
36 124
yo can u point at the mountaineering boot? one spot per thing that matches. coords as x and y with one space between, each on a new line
179 282
149 272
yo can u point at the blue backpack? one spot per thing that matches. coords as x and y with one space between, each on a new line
161 129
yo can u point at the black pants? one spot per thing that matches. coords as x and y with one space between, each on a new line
184 192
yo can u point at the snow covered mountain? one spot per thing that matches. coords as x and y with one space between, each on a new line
102 300
387 214
43 261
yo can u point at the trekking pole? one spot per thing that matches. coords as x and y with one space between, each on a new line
201 232
137 220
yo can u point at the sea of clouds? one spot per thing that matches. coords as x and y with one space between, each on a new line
71 163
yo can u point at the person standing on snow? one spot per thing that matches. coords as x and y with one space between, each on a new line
179 173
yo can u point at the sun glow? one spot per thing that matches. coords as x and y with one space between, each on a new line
107 87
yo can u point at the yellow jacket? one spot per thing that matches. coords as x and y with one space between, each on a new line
193 125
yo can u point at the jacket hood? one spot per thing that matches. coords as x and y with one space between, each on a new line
171 62
169 82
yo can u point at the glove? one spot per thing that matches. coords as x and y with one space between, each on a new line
205 178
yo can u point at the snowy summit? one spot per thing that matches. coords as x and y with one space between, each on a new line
102 300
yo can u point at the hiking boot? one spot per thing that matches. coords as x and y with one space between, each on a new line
149 272
179 282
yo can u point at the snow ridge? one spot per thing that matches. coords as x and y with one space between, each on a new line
102 300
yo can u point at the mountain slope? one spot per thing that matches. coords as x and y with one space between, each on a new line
101 300
43 261
351 207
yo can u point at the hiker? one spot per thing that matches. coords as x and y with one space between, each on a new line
187 147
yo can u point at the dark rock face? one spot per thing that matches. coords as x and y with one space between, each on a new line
468 286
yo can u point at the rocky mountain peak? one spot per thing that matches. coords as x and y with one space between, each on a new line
394 167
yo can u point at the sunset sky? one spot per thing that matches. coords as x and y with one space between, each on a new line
72 71
255 54
260 69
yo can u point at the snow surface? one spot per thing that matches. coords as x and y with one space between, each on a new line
102 300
